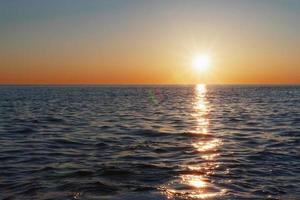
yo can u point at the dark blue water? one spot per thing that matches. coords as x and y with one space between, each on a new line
160 142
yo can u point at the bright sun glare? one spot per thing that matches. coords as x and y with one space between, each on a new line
201 62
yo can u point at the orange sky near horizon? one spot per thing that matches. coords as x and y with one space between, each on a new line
145 42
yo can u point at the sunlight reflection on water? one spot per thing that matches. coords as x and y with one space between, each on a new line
109 142
193 185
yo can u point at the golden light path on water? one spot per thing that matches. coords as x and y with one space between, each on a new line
196 184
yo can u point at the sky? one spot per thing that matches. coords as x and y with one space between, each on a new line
149 41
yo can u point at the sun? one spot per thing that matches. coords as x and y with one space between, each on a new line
201 62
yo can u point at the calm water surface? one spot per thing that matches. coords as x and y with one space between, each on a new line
158 142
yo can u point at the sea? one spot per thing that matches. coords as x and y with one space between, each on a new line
137 142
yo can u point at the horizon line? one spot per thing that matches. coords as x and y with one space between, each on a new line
148 84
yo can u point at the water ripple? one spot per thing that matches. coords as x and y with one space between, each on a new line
192 142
